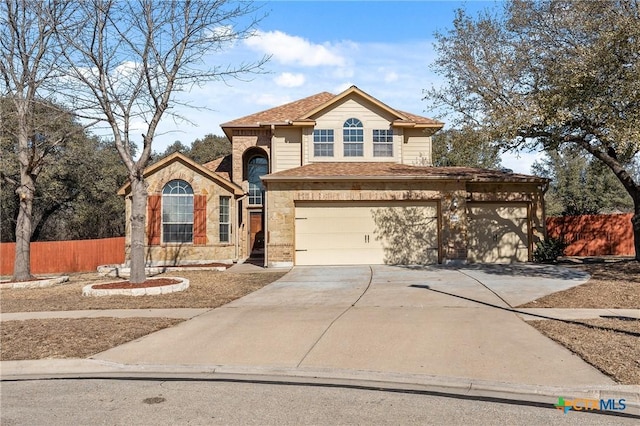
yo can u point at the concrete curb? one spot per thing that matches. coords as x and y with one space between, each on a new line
449 386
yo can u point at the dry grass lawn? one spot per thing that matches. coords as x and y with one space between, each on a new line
207 289
612 285
615 353
73 338
80 338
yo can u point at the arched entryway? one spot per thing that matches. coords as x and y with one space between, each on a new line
255 165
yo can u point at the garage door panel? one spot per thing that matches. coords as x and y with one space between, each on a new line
338 224
339 257
366 233
498 233
344 240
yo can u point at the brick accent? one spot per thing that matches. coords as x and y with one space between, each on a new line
280 252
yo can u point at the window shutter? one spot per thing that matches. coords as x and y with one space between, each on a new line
154 219
199 219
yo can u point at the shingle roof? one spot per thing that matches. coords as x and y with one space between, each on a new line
280 114
299 110
384 171
419 119
221 165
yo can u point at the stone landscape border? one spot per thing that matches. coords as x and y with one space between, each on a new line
36 283
182 285
125 272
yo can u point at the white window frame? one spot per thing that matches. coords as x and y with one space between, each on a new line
224 215
353 138
177 194
383 143
323 142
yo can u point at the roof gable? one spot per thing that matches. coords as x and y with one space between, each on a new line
304 111
178 157
352 91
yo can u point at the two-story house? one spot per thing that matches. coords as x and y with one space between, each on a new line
338 179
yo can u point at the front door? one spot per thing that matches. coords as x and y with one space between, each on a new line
256 234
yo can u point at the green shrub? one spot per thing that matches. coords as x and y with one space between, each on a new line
548 250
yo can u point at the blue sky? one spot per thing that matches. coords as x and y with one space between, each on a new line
384 48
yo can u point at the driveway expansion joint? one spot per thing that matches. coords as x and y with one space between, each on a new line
337 318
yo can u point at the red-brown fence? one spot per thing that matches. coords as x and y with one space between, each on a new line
594 235
65 256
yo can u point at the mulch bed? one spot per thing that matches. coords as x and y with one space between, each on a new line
125 285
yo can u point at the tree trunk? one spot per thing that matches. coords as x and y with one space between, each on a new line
24 224
138 216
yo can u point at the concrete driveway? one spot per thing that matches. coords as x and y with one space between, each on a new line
395 320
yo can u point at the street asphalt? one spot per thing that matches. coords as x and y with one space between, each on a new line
445 328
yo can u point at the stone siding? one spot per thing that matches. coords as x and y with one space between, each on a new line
173 253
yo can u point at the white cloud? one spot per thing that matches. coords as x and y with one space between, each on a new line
369 66
390 77
223 32
287 79
126 69
288 49
270 100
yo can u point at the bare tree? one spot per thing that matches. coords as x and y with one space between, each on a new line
127 61
548 74
28 62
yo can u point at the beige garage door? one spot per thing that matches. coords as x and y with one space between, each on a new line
366 233
498 233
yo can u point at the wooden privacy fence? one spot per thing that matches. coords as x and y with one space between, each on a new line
65 256
594 235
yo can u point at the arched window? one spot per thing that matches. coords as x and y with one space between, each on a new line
257 166
177 212
353 138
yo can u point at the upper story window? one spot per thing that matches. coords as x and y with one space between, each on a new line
323 143
383 143
353 138
177 212
256 167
